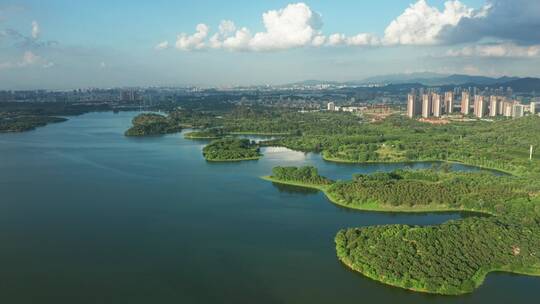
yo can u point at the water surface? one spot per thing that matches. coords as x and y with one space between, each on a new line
90 216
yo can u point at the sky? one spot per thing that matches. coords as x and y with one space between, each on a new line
65 44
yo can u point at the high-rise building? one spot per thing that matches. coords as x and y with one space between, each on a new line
533 107
129 96
480 106
493 105
436 104
331 106
517 110
507 109
465 103
413 105
500 107
426 106
449 102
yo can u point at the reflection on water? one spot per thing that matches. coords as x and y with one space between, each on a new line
295 189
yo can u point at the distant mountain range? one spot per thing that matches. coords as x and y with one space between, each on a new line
434 79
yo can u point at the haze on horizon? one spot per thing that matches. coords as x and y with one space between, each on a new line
61 44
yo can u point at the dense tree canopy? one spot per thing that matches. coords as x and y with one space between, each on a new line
231 149
153 124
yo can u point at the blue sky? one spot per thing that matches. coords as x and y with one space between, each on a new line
115 43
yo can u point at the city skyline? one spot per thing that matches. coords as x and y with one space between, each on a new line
60 45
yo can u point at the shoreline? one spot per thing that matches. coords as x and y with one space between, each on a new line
344 161
232 160
478 279
373 206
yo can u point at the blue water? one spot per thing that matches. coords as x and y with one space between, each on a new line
90 216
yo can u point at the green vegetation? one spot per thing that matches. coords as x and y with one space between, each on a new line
345 137
472 191
231 149
153 124
213 133
306 175
452 258
26 116
26 123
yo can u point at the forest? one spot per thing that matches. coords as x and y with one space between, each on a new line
452 258
307 174
346 137
26 123
26 116
153 124
231 149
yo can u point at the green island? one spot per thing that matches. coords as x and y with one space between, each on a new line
231 149
450 259
153 124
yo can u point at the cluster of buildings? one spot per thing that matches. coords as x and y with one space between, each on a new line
435 105
331 106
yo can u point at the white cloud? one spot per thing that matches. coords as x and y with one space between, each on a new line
293 26
162 45
318 40
102 65
496 50
227 27
239 42
422 24
336 39
193 42
362 39
28 59
505 20
35 30
297 25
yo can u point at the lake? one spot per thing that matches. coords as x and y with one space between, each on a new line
90 216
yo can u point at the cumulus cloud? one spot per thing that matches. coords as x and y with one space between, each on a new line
422 24
509 50
226 29
362 39
507 20
297 25
293 26
193 42
162 45
318 40
239 42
